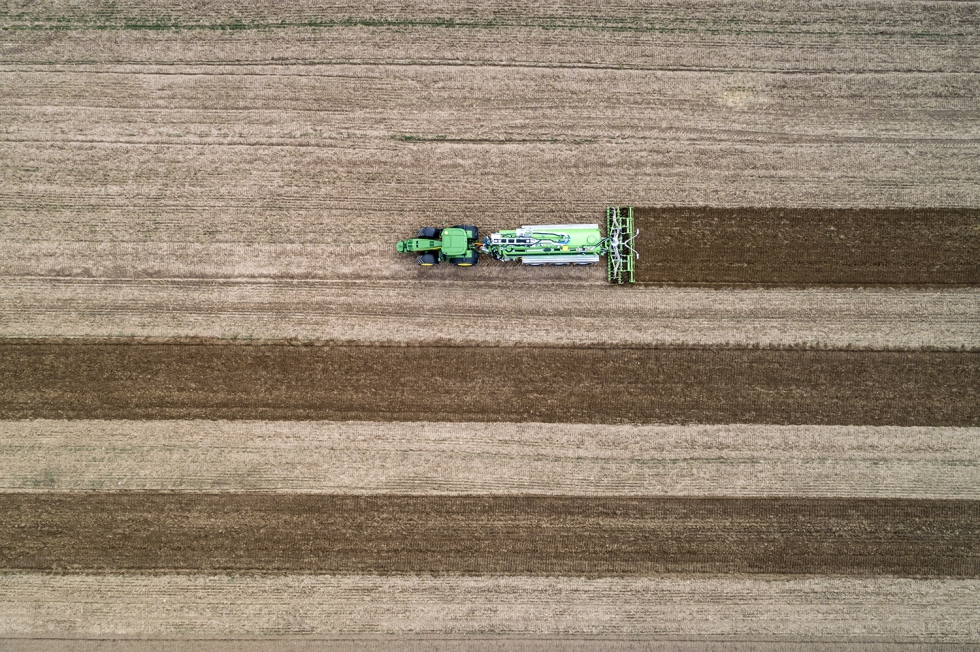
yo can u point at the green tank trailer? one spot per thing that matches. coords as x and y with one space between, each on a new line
538 244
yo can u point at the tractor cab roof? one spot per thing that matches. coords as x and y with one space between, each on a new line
454 242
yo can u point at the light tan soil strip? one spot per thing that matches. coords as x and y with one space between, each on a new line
786 35
528 535
506 311
809 246
477 643
728 608
499 458
569 385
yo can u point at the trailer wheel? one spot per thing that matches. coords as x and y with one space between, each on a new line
426 260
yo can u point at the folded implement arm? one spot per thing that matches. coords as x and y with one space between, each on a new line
547 244
620 255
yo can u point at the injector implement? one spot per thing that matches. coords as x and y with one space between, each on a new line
537 244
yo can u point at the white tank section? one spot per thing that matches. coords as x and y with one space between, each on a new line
548 244
580 259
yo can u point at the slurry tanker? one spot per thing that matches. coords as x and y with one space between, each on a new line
535 244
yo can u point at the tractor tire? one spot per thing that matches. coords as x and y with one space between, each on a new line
429 232
427 260
466 261
471 231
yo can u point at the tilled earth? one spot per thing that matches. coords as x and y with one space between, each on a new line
808 246
487 534
241 380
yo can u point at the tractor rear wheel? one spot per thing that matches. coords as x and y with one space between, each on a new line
471 231
466 261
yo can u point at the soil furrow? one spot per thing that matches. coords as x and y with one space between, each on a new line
215 380
525 535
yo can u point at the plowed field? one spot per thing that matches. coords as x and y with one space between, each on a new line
806 246
235 380
488 535
230 410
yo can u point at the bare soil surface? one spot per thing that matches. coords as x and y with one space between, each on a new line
507 311
487 534
732 608
808 246
370 457
234 143
228 380
787 35
497 643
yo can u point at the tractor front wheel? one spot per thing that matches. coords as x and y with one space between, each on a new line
427 260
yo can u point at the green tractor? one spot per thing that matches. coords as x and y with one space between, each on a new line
538 244
456 245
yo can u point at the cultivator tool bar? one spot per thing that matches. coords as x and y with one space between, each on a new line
620 256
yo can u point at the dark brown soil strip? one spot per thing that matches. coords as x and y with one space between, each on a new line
798 246
279 381
487 534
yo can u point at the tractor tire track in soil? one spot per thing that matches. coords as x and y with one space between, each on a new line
803 246
214 380
487 534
